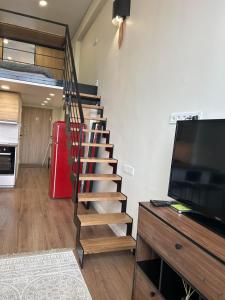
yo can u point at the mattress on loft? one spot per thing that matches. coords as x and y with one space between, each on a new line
29 73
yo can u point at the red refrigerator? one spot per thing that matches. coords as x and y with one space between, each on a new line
60 183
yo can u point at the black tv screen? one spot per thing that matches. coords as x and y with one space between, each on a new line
197 175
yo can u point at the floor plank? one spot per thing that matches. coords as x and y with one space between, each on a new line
30 221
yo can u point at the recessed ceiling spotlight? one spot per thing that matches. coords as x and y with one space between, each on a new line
5 41
42 104
45 101
9 58
48 99
43 3
5 87
52 95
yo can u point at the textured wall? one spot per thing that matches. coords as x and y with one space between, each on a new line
172 59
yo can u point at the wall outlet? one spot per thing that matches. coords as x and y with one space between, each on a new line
128 170
182 116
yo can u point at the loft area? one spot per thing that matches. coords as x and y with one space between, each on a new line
34 52
19 60
32 36
31 50
34 56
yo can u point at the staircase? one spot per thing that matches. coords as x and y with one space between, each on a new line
81 144
107 244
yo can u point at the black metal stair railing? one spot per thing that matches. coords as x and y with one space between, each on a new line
74 116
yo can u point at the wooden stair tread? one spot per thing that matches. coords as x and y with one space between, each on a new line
98 160
94 145
95 177
110 244
89 106
104 219
84 95
90 197
92 131
91 118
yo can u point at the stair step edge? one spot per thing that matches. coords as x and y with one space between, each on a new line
90 118
103 245
103 177
83 95
89 106
104 219
94 145
91 197
92 131
96 159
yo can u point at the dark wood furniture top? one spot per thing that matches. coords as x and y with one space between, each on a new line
189 250
203 237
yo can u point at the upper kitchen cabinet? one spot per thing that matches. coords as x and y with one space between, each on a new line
10 107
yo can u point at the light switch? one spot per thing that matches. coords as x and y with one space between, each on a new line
128 169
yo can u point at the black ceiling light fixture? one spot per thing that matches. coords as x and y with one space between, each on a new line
121 10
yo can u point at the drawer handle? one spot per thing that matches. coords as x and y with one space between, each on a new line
152 294
178 246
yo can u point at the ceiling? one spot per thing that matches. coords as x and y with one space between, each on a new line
68 12
33 94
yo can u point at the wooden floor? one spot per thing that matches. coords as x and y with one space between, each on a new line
30 221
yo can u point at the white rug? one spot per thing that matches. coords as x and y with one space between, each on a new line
43 276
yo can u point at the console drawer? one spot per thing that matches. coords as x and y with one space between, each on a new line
144 289
203 271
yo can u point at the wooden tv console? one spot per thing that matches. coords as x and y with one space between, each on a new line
172 247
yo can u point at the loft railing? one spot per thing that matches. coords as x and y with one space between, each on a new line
32 55
72 101
74 116
30 60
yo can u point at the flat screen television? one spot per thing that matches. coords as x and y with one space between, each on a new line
197 176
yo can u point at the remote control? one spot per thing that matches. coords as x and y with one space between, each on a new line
161 203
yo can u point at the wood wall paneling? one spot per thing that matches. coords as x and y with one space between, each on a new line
10 106
50 58
32 36
35 135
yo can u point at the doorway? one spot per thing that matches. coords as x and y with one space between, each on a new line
35 135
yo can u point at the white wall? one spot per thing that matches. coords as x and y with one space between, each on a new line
172 59
58 114
85 24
